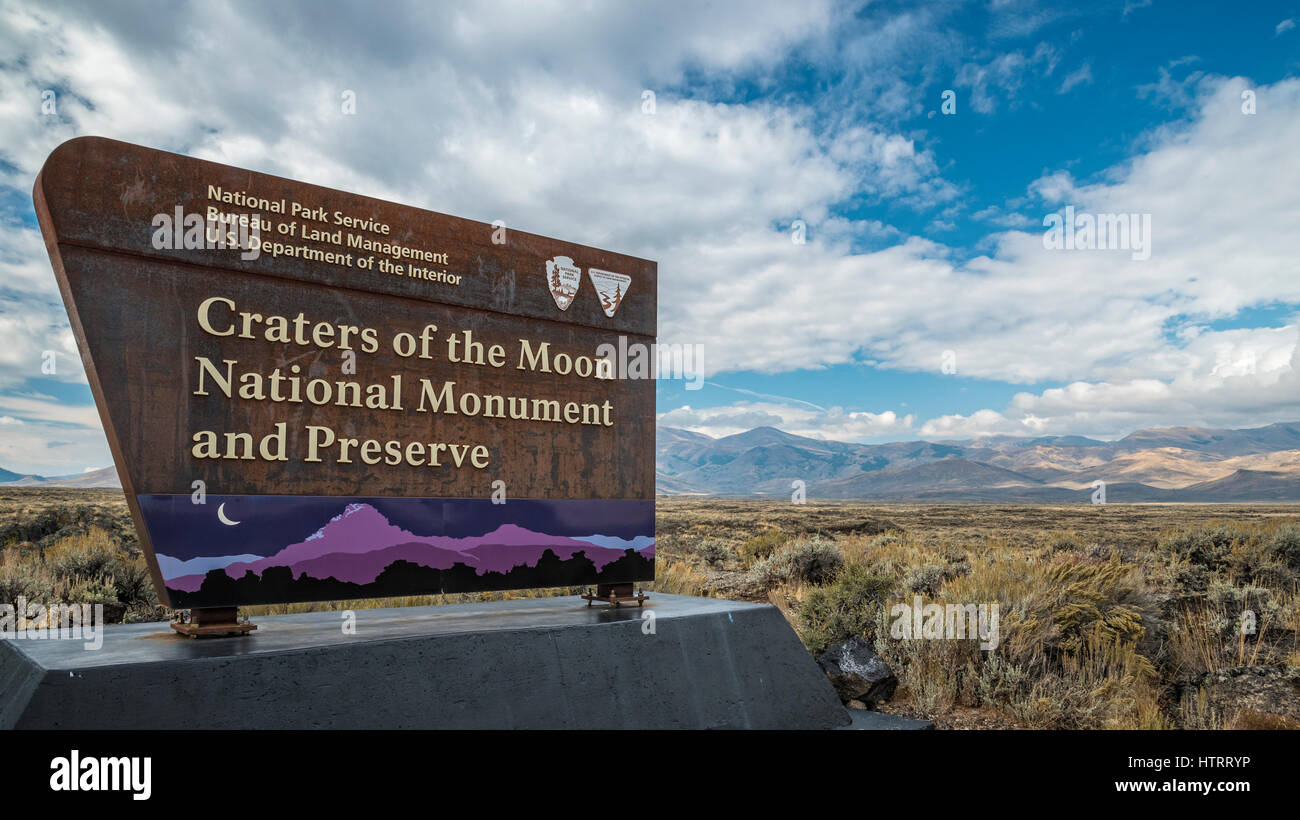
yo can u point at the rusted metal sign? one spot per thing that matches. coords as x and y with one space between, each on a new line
311 394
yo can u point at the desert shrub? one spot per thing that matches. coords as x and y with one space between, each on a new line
1197 710
1070 638
1065 542
1205 546
889 551
1284 542
1051 607
900 555
929 672
925 580
1101 624
1000 681
957 567
1233 599
1203 640
1107 684
89 591
91 555
814 561
1212 632
84 567
713 551
133 586
26 580
35 526
847 606
1095 601
935 674
1266 553
762 545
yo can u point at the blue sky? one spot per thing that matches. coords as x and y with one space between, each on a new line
924 230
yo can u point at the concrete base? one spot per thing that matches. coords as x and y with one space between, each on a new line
541 663
865 720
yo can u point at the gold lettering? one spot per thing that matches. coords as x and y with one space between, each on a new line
205 367
204 323
542 355
317 440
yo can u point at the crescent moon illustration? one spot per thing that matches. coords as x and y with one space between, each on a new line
221 515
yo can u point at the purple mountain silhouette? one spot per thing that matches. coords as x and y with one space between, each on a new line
496 557
364 567
357 545
359 528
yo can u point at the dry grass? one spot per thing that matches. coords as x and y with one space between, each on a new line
679 578
76 566
1110 617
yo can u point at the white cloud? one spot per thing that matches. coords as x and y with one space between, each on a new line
1131 6
1003 218
1080 76
833 423
44 436
45 409
979 423
1003 76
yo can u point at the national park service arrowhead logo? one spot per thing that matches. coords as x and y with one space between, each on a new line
563 278
610 287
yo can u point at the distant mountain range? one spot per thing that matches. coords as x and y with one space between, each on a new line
105 477
1162 464
1159 464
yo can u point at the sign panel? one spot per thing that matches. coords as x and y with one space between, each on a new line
311 394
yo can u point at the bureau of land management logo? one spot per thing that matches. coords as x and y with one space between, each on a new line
610 287
563 278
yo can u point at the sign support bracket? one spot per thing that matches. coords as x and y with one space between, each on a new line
213 622
616 595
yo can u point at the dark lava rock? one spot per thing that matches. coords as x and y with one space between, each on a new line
869 526
857 672
1270 690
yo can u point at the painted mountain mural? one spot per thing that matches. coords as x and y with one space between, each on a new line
386 547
